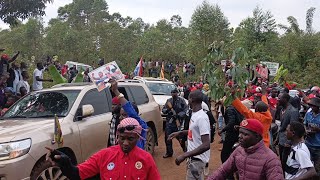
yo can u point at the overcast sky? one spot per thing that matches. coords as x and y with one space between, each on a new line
235 10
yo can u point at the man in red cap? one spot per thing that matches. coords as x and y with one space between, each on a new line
252 159
5 61
123 161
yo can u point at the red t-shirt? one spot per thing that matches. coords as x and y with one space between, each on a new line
273 101
113 163
193 88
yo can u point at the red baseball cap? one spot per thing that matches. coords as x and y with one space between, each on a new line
252 125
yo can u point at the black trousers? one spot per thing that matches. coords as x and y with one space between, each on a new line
171 129
284 153
227 150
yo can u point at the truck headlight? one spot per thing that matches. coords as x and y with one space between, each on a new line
11 150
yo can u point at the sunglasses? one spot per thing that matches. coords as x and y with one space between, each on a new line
128 128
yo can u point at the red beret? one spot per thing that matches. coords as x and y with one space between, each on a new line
252 125
115 101
5 57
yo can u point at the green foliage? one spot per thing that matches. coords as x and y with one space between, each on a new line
56 76
281 75
85 31
79 77
213 71
258 36
12 10
309 19
209 24
216 77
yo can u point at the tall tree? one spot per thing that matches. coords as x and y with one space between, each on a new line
83 14
176 21
209 24
293 26
11 10
309 19
257 34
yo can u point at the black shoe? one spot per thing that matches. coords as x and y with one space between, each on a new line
167 155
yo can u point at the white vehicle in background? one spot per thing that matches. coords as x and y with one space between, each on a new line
160 89
79 66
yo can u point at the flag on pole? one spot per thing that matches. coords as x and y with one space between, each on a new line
58 138
162 71
138 71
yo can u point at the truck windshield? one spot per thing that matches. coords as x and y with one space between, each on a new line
160 88
43 104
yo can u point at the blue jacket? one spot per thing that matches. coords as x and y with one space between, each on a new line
133 114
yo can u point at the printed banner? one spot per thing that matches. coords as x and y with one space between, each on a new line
103 74
272 66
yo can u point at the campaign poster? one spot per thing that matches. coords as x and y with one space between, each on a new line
101 76
272 66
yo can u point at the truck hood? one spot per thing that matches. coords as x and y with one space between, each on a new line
9 129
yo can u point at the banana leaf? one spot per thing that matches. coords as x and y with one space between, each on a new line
56 76
79 77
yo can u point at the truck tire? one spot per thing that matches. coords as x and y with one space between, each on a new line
150 141
44 170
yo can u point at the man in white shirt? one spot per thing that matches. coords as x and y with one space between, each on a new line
23 82
299 165
38 77
198 153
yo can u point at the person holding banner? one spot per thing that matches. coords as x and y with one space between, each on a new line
128 110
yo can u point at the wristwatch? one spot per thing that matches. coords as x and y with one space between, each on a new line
120 96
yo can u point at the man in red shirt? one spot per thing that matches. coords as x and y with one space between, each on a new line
123 161
273 99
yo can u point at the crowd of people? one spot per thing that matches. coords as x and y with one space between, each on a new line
14 80
152 68
282 107
251 148
293 112
247 143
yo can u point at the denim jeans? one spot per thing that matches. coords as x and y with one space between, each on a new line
220 122
315 158
220 126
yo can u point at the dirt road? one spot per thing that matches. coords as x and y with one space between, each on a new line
170 171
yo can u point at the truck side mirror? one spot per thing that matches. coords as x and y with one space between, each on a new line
84 111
